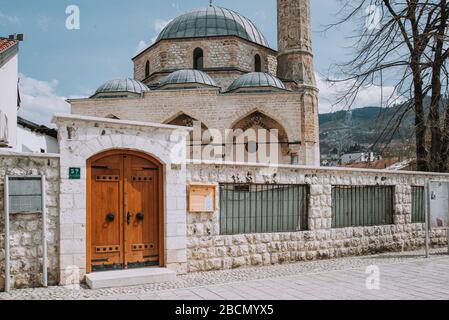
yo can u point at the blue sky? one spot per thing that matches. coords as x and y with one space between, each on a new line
63 63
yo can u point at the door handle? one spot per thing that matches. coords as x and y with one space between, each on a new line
110 217
128 218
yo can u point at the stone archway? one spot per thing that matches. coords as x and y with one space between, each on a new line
258 120
195 138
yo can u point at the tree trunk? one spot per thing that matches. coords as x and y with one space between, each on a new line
420 124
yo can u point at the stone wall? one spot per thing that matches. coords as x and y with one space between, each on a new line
208 250
26 229
226 52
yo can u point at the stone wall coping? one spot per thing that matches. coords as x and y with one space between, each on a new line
4 153
61 117
311 168
212 91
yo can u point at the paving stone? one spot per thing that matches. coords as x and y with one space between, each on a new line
332 279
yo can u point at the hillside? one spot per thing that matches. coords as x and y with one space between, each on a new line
357 130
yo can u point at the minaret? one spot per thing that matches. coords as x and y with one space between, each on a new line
295 58
295 63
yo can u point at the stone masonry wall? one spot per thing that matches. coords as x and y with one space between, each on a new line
219 111
219 52
26 229
208 250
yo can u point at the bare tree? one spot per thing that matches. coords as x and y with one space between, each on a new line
405 42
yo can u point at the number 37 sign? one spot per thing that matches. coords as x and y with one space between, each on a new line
74 173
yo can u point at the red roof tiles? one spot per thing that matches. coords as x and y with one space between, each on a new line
6 44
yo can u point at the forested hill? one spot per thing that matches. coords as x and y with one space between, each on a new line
356 130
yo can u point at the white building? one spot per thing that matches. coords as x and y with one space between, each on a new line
9 50
358 157
35 138
18 134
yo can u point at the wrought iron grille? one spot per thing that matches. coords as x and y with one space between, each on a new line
362 206
257 208
418 205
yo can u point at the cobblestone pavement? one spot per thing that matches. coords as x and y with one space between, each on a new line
402 276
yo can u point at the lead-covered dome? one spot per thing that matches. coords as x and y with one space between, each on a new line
120 88
187 78
257 81
212 21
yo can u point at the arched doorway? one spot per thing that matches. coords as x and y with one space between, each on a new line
125 211
253 138
194 139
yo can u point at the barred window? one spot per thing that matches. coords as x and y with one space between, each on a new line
418 205
362 206
257 208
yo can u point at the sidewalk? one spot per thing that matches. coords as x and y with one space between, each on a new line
402 276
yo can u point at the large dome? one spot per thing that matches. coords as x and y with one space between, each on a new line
212 21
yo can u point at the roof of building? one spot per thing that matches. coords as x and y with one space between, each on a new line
188 76
7 49
378 164
212 21
37 128
255 80
6 43
121 86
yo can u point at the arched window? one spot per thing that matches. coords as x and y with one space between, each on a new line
198 59
257 63
147 69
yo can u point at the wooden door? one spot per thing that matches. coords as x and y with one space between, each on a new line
124 212
106 224
141 207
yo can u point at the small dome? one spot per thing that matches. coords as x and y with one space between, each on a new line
188 78
212 21
121 86
256 80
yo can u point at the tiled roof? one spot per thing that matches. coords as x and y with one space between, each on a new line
6 44
379 164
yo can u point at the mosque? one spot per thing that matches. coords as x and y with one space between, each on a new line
117 207
214 66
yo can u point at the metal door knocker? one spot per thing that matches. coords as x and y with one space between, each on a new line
110 217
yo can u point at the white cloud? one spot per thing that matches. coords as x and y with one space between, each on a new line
43 22
158 26
40 101
367 97
141 46
6 19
